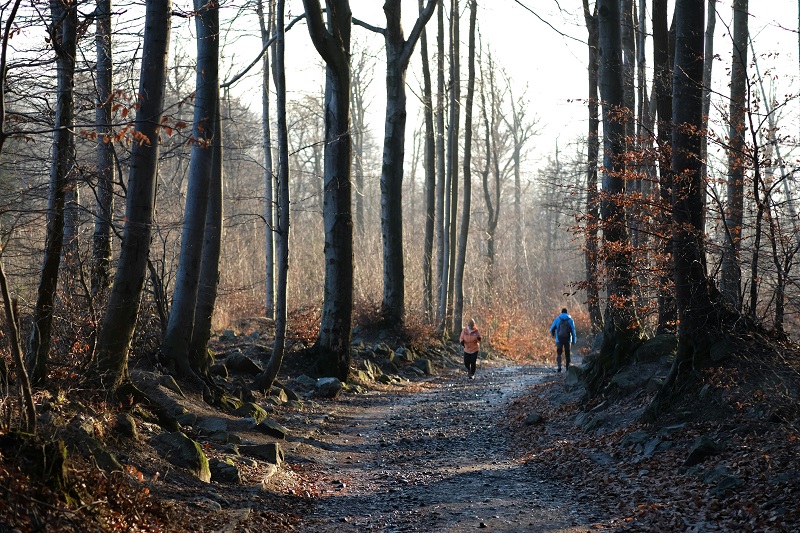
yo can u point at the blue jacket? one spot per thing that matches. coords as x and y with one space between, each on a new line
554 327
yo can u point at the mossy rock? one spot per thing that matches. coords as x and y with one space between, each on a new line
660 347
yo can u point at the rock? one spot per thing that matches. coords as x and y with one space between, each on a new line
404 354
294 404
725 484
187 419
636 438
328 387
290 394
227 335
240 363
384 378
651 447
224 471
702 449
305 382
383 349
80 436
424 365
168 382
630 379
271 471
271 452
183 452
595 422
251 410
573 377
272 428
126 426
212 424
362 376
659 348
219 369
534 418
279 394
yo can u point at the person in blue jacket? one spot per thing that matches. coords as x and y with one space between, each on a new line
563 331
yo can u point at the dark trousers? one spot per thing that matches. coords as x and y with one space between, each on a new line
562 344
470 361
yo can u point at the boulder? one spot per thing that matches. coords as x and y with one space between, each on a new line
251 410
328 387
383 349
290 394
227 335
533 419
240 363
659 348
126 426
271 452
404 354
305 382
168 382
630 379
702 449
279 394
183 452
424 365
219 369
272 428
224 471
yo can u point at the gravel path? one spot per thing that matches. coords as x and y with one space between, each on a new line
436 459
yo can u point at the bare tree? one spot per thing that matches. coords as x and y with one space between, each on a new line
114 337
430 176
63 37
333 45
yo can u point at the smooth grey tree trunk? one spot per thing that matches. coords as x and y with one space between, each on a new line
491 194
209 264
104 208
267 378
592 197
333 45
730 271
707 70
114 338
662 81
398 54
429 164
621 325
180 328
361 79
463 235
265 26
63 30
441 106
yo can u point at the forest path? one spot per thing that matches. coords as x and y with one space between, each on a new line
436 458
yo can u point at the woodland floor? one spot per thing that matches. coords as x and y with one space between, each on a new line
444 453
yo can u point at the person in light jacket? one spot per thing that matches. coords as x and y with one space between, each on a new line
471 341
563 331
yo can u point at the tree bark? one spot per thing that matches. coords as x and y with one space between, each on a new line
430 177
333 45
63 36
730 271
104 209
461 259
592 199
269 177
273 366
622 328
441 241
110 364
398 54
177 338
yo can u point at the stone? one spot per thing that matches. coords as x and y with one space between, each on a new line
212 424
183 452
251 410
294 404
240 363
651 447
224 471
290 394
219 369
383 350
328 387
227 335
404 354
424 365
636 438
279 394
702 449
187 419
305 382
271 452
272 428
168 382
660 347
534 418
630 379
126 426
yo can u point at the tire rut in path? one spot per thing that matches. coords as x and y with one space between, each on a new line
437 460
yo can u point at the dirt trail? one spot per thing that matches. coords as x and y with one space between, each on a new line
436 460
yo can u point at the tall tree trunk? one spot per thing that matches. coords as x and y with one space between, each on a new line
398 54
273 366
662 61
446 303
691 282
63 36
333 45
269 178
458 308
430 177
441 217
359 89
707 70
592 199
209 265
104 209
115 335
622 329
730 272
491 195
178 336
